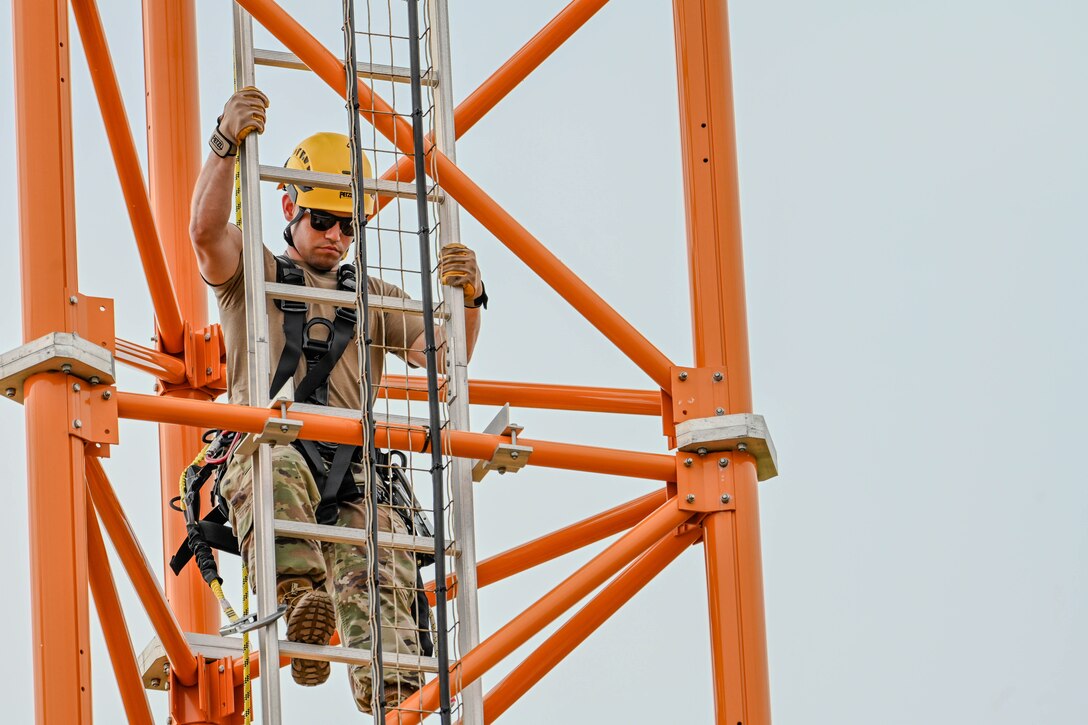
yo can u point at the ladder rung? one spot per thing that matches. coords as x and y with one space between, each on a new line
379 417
345 535
215 647
340 298
342 182
398 74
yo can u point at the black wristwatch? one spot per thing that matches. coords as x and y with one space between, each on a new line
480 300
221 145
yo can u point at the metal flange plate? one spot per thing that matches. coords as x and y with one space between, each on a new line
741 431
55 352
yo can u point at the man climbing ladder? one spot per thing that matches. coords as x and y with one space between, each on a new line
314 346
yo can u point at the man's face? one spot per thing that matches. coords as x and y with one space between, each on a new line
321 250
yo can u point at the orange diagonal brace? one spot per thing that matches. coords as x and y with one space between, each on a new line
496 647
575 631
470 196
161 365
549 454
147 588
112 619
152 255
561 542
533 395
505 79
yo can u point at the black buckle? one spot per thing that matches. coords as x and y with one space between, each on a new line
292 305
348 314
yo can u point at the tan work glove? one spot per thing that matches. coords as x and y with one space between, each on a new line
243 113
457 267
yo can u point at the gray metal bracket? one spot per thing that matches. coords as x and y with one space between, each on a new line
277 431
745 432
64 352
508 457
252 622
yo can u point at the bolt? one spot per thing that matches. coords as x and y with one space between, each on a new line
284 427
702 451
723 463
688 462
501 470
222 669
73 299
207 337
690 498
66 368
742 447
10 392
207 371
155 682
514 455
154 339
166 668
720 411
726 498
683 375
718 377
75 387
94 380
77 423
107 394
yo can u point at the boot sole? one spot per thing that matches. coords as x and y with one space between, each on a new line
313 620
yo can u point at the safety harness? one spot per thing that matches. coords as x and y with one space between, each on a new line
330 463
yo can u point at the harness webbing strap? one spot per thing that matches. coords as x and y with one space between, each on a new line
294 320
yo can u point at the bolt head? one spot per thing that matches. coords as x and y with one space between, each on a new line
73 299
718 377
702 451
742 447
222 668
723 462
106 395
720 411
10 392
501 470
207 337
726 498
688 462
155 682
284 428
683 375
66 368
94 380
77 423
76 388
514 455
207 371
690 498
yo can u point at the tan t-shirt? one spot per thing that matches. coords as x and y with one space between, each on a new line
390 331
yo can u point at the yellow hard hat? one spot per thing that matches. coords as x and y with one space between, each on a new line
329 153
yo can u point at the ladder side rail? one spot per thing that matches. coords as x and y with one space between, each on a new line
258 370
431 354
464 517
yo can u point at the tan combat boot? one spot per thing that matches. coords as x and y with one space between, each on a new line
311 619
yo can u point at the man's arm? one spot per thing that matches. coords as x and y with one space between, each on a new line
457 267
216 240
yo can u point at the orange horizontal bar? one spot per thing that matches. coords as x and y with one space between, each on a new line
534 395
499 84
139 571
527 624
470 196
548 454
578 628
163 296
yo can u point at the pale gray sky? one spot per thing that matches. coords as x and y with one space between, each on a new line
912 183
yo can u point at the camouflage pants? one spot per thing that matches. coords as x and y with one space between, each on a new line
341 568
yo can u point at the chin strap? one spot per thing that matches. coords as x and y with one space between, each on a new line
287 237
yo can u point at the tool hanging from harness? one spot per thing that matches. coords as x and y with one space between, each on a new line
330 464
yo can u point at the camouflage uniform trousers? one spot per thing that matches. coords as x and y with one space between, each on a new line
341 567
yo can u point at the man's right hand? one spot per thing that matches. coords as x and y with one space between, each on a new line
244 112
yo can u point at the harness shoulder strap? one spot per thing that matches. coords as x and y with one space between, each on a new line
294 320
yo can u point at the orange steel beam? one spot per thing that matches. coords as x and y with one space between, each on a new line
471 197
719 319
548 454
125 158
527 59
160 364
575 631
173 151
56 500
182 661
112 619
534 395
545 610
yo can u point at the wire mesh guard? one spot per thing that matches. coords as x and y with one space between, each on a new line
402 486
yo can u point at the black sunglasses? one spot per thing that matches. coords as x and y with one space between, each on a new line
323 221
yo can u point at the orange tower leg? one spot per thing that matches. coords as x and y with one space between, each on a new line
712 203
57 502
173 142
